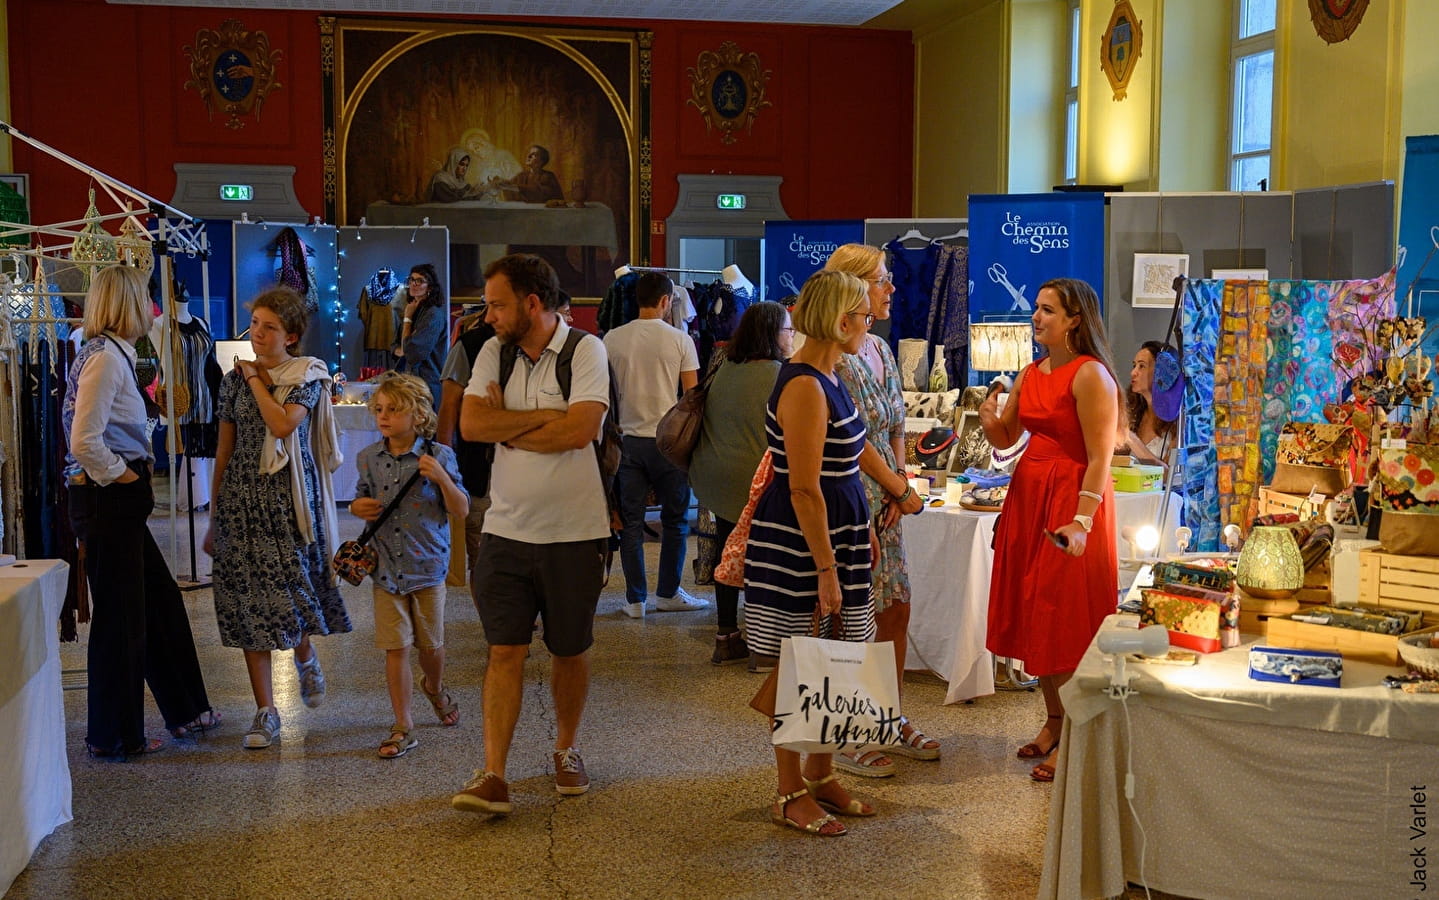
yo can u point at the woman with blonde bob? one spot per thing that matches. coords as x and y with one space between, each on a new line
872 378
809 541
139 632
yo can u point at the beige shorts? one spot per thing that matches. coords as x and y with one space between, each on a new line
416 618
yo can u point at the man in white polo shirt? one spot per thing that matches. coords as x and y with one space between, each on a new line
547 529
653 362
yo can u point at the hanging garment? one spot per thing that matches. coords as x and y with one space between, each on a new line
913 271
377 315
949 312
1239 368
720 307
199 427
1300 377
1199 457
682 310
619 304
297 269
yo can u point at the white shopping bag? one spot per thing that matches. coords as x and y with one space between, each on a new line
834 696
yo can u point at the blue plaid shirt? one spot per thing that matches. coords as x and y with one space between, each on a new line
414 543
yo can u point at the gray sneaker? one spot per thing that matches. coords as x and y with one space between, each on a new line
312 680
264 730
682 601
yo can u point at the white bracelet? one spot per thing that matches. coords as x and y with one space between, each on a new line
408 320
1098 498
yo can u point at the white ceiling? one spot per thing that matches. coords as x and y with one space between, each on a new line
796 12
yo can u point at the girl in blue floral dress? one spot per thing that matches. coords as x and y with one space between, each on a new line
273 523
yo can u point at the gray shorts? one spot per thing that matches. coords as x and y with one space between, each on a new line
514 581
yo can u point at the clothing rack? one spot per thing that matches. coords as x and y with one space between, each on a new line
673 269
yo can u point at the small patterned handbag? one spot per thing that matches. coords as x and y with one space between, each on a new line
1313 455
355 560
730 568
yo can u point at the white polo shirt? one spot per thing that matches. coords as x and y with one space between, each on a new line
543 498
648 356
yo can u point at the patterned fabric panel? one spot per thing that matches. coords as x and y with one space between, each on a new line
1300 378
1239 368
1200 461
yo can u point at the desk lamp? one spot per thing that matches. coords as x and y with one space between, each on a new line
1152 640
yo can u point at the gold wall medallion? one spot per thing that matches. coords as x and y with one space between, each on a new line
233 69
1120 47
1335 20
728 89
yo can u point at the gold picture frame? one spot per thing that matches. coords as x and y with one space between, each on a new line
1120 47
233 69
728 86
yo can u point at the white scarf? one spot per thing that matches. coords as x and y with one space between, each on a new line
276 453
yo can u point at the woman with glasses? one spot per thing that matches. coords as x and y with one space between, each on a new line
423 328
809 540
732 441
871 376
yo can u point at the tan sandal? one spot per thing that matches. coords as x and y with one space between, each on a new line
404 743
825 826
916 746
444 705
865 763
853 808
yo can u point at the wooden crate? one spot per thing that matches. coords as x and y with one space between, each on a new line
1255 613
1272 502
1400 582
1347 642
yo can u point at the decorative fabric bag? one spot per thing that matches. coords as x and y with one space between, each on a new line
679 429
355 560
730 568
1168 388
1312 455
1407 491
833 696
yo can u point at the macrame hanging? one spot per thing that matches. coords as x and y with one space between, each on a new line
93 243
133 246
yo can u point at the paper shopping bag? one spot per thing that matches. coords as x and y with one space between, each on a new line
835 695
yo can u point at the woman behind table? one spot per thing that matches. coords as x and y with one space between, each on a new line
139 632
273 521
732 440
424 327
1150 437
1046 603
872 378
809 541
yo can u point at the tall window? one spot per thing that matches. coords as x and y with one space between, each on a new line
1251 120
1071 100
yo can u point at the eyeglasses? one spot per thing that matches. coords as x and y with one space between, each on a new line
418 279
868 317
886 278
787 330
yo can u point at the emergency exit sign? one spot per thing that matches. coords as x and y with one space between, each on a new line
729 201
238 192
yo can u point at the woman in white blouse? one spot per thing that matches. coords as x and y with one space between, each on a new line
139 632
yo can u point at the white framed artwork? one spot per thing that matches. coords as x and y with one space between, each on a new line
1154 275
1239 274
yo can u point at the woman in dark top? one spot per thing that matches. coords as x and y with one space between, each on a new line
139 632
424 327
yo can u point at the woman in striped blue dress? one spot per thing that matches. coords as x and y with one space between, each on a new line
810 539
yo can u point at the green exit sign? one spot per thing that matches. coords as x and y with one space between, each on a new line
242 192
730 201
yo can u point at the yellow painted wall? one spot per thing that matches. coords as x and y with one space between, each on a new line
1117 137
1193 96
1337 117
1419 107
1038 68
961 127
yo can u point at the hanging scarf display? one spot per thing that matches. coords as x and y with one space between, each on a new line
1239 368
1199 459
949 312
912 269
1299 380
296 270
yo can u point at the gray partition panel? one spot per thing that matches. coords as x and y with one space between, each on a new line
1344 232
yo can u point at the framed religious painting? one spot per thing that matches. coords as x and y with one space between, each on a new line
516 138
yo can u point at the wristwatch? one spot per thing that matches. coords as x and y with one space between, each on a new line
1085 522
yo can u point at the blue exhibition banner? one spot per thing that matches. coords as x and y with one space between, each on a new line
1419 233
1019 241
795 249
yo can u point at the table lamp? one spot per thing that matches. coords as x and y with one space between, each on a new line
1143 540
1000 346
1270 565
1151 640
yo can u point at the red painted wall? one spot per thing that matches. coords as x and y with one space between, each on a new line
105 84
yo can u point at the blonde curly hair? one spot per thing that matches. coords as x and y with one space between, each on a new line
410 395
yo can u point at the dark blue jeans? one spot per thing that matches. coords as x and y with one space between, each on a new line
641 468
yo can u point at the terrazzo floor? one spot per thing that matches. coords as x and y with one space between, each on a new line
681 771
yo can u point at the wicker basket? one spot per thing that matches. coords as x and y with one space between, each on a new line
1416 653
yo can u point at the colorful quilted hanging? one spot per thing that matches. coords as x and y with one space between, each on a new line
1201 338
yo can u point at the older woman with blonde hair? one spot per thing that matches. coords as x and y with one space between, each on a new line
139 632
809 544
871 376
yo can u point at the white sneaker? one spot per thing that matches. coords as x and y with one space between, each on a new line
682 601
633 610
265 729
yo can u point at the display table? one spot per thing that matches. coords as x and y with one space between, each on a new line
356 427
34 770
947 551
1244 788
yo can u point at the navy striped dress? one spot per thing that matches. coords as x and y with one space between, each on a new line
781 581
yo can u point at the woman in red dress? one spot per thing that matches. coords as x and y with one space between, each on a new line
1047 602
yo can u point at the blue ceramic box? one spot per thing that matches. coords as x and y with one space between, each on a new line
1316 667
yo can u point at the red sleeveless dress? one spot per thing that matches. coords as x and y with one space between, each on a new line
1045 606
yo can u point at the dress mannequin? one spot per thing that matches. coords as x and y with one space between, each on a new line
622 271
736 279
198 425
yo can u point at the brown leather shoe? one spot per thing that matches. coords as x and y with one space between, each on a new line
485 792
570 777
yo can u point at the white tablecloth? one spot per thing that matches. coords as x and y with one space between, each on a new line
356 426
1243 788
947 551
34 771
